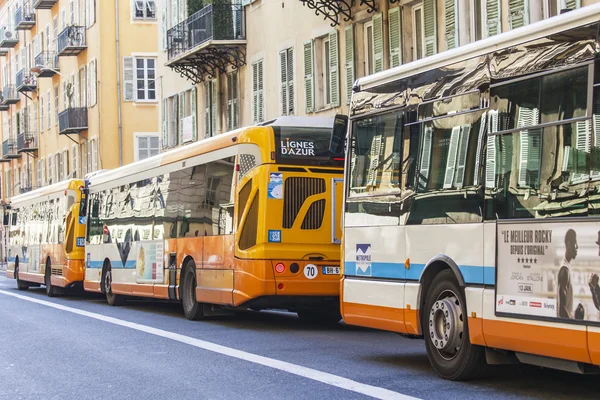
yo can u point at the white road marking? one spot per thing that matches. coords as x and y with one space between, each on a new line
315 375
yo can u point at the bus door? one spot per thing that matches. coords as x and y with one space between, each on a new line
337 206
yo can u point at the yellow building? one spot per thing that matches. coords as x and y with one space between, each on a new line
78 88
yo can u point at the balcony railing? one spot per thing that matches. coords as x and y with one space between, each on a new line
71 41
223 22
27 142
25 17
3 107
9 149
26 81
25 189
10 95
47 64
72 120
8 37
44 4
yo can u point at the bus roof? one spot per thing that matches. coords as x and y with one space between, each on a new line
46 190
572 19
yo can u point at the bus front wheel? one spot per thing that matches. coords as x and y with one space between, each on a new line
51 290
111 298
446 331
20 284
193 310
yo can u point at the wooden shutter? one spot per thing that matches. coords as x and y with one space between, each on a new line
526 117
493 25
430 26
283 82
583 144
395 31
215 106
174 12
261 95
596 134
309 76
518 13
480 139
165 126
451 23
290 76
375 158
378 43
349 60
128 78
181 115
165 27
461 161
207 100
334 75
571 4
194 110
232 102
94 83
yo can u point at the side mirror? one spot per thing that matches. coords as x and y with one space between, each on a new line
338 135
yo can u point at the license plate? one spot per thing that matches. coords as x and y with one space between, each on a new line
331 270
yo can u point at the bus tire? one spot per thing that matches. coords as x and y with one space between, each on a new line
327 316
51 290
20 284
446 331
111 298
193 310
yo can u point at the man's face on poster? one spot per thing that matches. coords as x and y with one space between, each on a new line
571 244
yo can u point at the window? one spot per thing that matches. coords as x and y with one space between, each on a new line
42 113
233 110
58 167
93 83
477 19
147 146
92 157
84 159
518 13
139 79
211 191
48 102
75 161
173 120
368 47
50 171
56 104
211 107
258 97
82 87
418 37
144 9
65 164
286 68
321 72
187 115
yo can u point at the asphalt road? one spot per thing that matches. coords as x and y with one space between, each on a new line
78 347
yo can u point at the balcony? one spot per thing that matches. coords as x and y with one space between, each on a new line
46 64
71 41
3 107
8 37
26 81
208 42
10 95
44 4
25 17
27 142
9 149
72 120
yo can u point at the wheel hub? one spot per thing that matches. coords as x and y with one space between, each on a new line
107 280
446 326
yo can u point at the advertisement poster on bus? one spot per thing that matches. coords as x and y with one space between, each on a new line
549 270
149 262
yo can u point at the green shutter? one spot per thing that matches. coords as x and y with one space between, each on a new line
430 26
215 106
181 111
165 119
378 43
194 101
571 4
309 76
334 74
283 82
451 23
349 60
493 25
518 13
395 28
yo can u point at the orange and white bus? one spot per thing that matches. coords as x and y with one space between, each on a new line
471 200
246 219
47 237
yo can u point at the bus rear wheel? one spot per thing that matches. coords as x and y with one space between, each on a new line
111 298
446 331
20 284
193 310
326 316
51 290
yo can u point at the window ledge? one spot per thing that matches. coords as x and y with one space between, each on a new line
145 103
326 108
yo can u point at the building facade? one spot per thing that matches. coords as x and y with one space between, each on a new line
78 88
228 64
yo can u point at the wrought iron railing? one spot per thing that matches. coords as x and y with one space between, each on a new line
47 60
9 148
26 79
73 120
72 37
9 94
27 141
213 22
25 16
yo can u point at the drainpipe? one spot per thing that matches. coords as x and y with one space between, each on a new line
119 83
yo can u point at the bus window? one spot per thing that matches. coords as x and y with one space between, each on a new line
218 191
305 146
194 215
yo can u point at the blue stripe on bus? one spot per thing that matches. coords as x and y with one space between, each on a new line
130 264
471 273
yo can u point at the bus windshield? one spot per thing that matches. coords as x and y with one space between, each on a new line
305 146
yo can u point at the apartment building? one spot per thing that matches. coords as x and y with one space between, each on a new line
230 64
78 88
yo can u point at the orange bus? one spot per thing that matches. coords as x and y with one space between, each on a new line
47 237
247 219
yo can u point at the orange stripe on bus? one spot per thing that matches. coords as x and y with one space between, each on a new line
91 286
377 317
